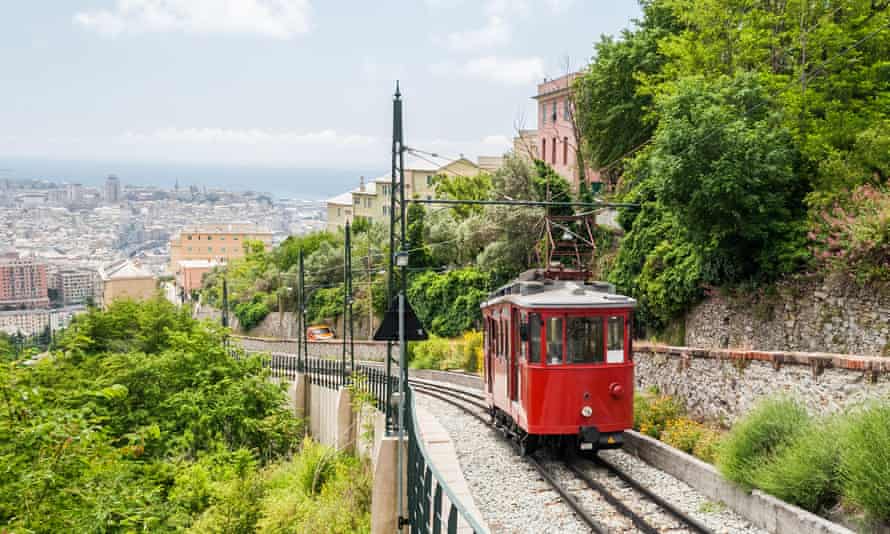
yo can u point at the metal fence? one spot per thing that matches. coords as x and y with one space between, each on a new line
427 489
426 486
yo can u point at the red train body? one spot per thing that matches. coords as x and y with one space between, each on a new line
558 362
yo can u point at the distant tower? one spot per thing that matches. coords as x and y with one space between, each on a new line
112 189
176 187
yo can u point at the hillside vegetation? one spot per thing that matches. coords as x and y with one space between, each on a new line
141 421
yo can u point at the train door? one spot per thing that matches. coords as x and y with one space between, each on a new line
489 354
514 354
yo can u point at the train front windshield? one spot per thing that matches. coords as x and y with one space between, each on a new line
583 339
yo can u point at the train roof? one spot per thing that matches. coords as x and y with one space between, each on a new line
559 294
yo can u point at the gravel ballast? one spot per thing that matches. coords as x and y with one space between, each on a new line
514 498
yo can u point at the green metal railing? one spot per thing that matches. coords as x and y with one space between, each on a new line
426 489
426 486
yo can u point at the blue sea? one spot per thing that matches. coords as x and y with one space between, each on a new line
281 182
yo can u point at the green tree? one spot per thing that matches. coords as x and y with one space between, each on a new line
478 187
613 109
447 304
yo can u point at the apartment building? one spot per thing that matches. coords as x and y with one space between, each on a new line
23 283
74 286
33 322
215 242
190 274
555 138
371 199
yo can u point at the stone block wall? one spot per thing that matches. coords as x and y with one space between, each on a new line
721 385
796 315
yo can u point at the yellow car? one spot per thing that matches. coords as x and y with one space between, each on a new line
319 332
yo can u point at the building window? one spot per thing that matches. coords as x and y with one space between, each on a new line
338 214
554 111
429 180
544 149
357 201
189 249
565 150
190 237
553 152
223 249
543 114
210 238
567 111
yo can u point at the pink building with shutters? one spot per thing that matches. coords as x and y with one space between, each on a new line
556 139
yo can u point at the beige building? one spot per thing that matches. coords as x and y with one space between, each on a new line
126 280
190 274
215 242
371 199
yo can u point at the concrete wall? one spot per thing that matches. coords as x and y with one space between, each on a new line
816 315
722 385
335 421
364 350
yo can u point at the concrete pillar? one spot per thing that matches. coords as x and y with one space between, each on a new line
384 516
345 435
297 395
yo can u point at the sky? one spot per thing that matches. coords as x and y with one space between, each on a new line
281 83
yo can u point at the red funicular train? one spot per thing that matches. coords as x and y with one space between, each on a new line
558 362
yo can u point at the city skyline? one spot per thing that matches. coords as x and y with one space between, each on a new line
150 81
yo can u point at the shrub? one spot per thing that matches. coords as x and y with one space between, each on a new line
753 440
434 353
682 433
803 470
865 461
653 411
853 235
472 351
707 445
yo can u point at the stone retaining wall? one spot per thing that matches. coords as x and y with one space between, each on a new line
800 314
721 384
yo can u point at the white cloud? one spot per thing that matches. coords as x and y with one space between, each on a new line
280 19
495 33
503 70
507 7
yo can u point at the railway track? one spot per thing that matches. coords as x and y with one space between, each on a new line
599 479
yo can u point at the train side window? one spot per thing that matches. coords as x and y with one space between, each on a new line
585 339
522 333
554 340
534 338
615 352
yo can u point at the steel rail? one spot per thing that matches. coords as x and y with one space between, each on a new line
691 522
439 391
543 471
610 498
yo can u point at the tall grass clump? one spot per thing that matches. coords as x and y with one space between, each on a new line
804 470
865 461
753 440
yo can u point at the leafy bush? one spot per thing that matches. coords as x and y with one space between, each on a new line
434 353
252 313
753 440
853 235
448 303
708 445
803 470
473 352
653 411
865 461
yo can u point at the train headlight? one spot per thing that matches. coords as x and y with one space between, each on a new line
587 411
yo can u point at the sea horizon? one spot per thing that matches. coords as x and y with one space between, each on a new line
304 183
